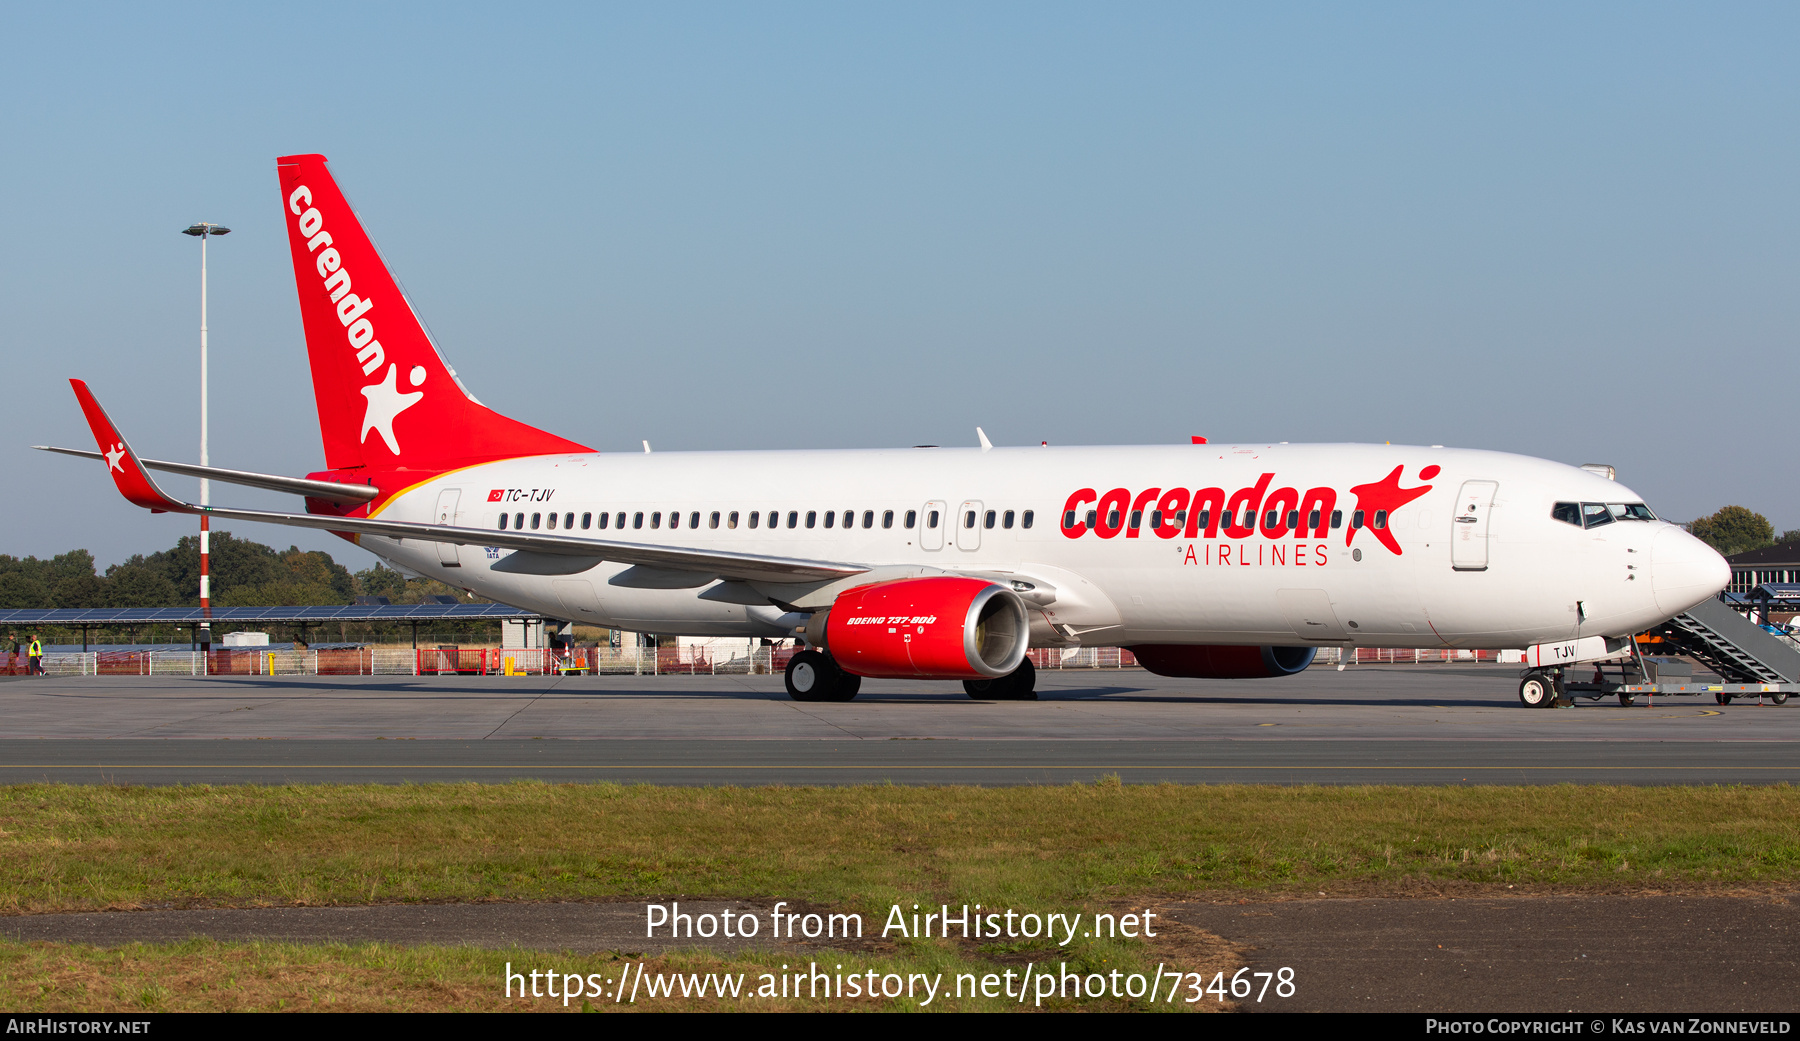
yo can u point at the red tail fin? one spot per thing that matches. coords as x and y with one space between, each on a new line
386 398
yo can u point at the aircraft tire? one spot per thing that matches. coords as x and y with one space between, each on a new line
812 676
848 686
1537 690
1017 685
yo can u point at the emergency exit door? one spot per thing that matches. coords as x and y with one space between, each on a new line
1469 526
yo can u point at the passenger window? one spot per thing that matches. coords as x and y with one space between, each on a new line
1381 518
619 522
1594 514
1269 521
1137 519
753 514
568 520
1567 512
519 521
1006 521
811 517
1180 518
731 519
713 521
969 519
1091 514
1112 518
535 519
637 519
656 519
849 518
1337 519
793 518
912 517
1025 521
830 519
1204 520
1155 519
869 518
604 518
552 524
587 521
694 519
1293 518
1356 519
988 521
1068 519
1312 520
674 519
931 520
503 522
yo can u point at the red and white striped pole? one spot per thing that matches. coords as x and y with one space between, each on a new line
204 231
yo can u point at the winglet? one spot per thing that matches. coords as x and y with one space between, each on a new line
121 462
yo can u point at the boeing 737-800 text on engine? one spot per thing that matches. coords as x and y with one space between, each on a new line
936 563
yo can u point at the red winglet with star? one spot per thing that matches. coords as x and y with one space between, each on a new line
1386 494
121 462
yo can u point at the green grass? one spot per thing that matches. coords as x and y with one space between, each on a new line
81 847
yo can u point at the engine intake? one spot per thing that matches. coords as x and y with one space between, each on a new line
1222 663
941 627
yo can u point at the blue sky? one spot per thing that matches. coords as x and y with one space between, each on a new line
1563 231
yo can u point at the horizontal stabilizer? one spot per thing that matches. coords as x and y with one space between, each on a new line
329 491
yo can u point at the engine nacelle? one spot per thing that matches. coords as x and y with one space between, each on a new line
1222 663
942 627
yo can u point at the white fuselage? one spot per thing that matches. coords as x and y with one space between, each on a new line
1520 576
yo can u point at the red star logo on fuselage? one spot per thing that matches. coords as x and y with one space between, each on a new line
1385 494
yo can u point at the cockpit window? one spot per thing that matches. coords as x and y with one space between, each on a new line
1567 512
1636 511
1594 514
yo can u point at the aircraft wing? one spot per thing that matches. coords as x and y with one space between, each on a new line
134 482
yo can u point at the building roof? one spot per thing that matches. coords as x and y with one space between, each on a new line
1786 554
238 615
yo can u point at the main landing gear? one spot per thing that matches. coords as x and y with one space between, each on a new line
1017 685
813 676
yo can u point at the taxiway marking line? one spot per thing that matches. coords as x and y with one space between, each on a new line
847 766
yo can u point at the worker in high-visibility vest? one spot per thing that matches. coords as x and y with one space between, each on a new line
36 655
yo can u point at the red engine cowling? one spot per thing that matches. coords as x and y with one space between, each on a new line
942 627
1222 663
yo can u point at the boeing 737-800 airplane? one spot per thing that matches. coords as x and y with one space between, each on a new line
1206 560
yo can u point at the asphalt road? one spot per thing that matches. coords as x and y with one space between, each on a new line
1401 724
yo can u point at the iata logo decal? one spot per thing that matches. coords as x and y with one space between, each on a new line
1209 513
385 398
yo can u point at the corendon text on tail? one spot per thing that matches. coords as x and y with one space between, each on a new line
939 563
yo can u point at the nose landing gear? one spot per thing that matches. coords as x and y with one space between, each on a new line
1538 689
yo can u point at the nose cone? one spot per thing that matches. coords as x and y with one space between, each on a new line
1684 571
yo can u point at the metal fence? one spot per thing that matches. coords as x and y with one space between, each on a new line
647 661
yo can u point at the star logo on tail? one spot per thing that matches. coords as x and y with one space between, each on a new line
386 401
1386 494
113 455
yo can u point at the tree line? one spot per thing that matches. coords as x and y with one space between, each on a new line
244 574
1738 529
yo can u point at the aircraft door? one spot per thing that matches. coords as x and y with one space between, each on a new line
1469 526
446 514
932 521
968 526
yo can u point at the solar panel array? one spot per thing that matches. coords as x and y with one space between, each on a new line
192 615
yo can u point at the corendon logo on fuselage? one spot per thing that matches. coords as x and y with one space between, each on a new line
385 399
1206 514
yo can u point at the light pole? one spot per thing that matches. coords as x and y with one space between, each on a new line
203 634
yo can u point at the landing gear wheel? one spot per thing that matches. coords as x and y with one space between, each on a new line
1017 685
848 685
1537 690
1626 699
811 676
1722 698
